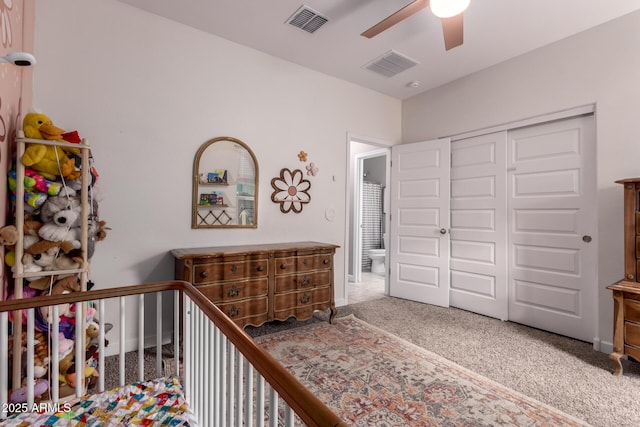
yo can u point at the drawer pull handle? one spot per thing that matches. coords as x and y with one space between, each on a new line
283 266
305 282
233 291
305 298
304 262
326 261
261 268
204 274
234 268
233 311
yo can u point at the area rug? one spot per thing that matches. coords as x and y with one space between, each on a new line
369 377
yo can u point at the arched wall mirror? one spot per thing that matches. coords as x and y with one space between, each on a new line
225 185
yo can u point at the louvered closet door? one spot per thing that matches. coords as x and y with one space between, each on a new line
552 227
479 225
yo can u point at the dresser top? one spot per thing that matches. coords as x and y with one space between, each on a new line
216 251
628 181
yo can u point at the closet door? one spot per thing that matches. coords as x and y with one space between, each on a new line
552 199
479 224
419 238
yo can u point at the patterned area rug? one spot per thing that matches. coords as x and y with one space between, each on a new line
372 378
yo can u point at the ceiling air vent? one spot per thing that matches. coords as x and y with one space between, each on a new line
307 19
390 64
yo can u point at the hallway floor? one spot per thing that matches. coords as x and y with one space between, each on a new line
370 287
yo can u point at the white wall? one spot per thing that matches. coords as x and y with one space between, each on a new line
147 92
599 66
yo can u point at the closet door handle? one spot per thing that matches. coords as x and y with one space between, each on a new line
443 231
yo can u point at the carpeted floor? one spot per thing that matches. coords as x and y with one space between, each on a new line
368 377
562 372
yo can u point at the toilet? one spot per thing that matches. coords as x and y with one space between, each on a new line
377 260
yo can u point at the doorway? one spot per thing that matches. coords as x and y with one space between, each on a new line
368 171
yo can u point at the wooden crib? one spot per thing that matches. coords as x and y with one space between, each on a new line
219 376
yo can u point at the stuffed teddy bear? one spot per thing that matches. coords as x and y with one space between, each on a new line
60 216
51 256
49 159
9 234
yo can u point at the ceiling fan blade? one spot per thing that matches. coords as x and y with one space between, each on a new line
453 31
393 19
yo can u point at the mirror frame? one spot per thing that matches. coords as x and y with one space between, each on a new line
196 182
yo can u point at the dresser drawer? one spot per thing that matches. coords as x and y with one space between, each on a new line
632 351
632 333
235 290
229 270
302 281
244 309
302 298
302 263
632 310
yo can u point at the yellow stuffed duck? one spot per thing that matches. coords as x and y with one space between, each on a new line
46 158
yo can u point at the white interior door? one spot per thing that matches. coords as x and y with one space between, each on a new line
419 238
551 197
479 224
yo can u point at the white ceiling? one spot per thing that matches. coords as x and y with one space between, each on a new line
494 31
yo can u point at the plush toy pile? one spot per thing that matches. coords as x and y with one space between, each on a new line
52 243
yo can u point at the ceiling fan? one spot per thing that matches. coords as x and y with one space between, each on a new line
449 11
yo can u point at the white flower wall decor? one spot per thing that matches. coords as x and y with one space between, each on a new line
291 191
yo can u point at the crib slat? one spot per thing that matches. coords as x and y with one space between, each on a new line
260 400
273 408
230 382
122 335
238 386
248 394
288 416
216 376
17 341
176 332
80 329
54 385
159 312
101 337
208 376
141 337
224 373
30 355
199 357
188 392
205 371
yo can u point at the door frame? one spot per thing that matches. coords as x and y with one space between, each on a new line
353 184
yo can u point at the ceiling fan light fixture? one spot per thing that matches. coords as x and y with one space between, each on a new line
448 8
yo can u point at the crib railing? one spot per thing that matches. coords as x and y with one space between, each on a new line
228 379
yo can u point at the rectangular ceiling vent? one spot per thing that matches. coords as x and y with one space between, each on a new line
307 19
390 64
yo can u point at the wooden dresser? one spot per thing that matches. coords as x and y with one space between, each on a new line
626 293
254 284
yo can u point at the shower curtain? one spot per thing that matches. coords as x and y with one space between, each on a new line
372 221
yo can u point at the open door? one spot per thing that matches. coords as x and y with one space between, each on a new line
419 238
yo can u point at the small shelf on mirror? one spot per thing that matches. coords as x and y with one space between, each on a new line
214 184
212 206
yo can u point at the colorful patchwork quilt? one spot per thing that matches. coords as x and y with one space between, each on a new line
157 402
